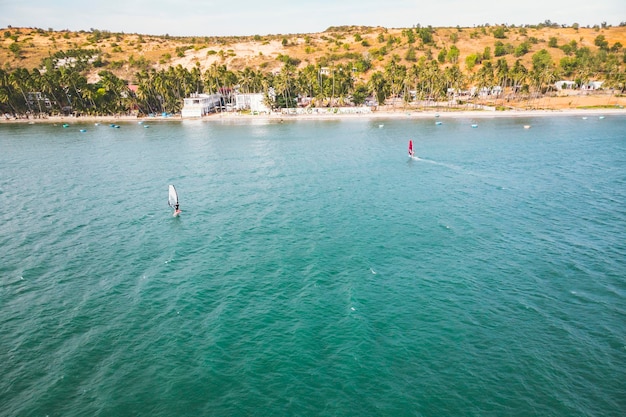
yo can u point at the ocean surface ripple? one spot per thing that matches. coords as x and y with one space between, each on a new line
315 269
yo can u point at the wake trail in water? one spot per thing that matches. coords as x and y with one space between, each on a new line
456 168
443 164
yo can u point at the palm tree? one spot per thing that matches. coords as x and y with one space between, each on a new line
73 85
518 75
283 84
145 94
218 79
502 74
306 80
195 81
21 82
413 79
454 78
543 71
379 87
613 75
246 80
484 76
344 83
395 75
211 78
51 88
7 91
434 84
116 90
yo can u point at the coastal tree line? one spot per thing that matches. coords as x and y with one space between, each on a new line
61 85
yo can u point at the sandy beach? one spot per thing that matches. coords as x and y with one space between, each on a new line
572 105
325 114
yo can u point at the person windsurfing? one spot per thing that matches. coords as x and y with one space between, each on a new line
411 153
172 200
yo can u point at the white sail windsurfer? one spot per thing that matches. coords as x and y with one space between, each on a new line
172 200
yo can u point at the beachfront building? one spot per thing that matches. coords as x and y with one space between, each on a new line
38 101
592 85
565 85
253 102
494 91
199 105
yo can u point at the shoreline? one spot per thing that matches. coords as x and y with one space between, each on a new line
375 115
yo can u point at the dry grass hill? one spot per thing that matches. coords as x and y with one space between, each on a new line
125 54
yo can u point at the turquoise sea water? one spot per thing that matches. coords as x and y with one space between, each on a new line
315 269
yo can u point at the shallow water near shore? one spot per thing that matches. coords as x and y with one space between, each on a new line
315 269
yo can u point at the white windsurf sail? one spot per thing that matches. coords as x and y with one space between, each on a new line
172 200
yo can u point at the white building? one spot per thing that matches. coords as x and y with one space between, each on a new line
199 105
565 84
253 102
486 91
592 85
39 99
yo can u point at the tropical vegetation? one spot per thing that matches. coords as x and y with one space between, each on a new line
94 73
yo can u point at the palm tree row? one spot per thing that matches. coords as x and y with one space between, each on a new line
67 90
